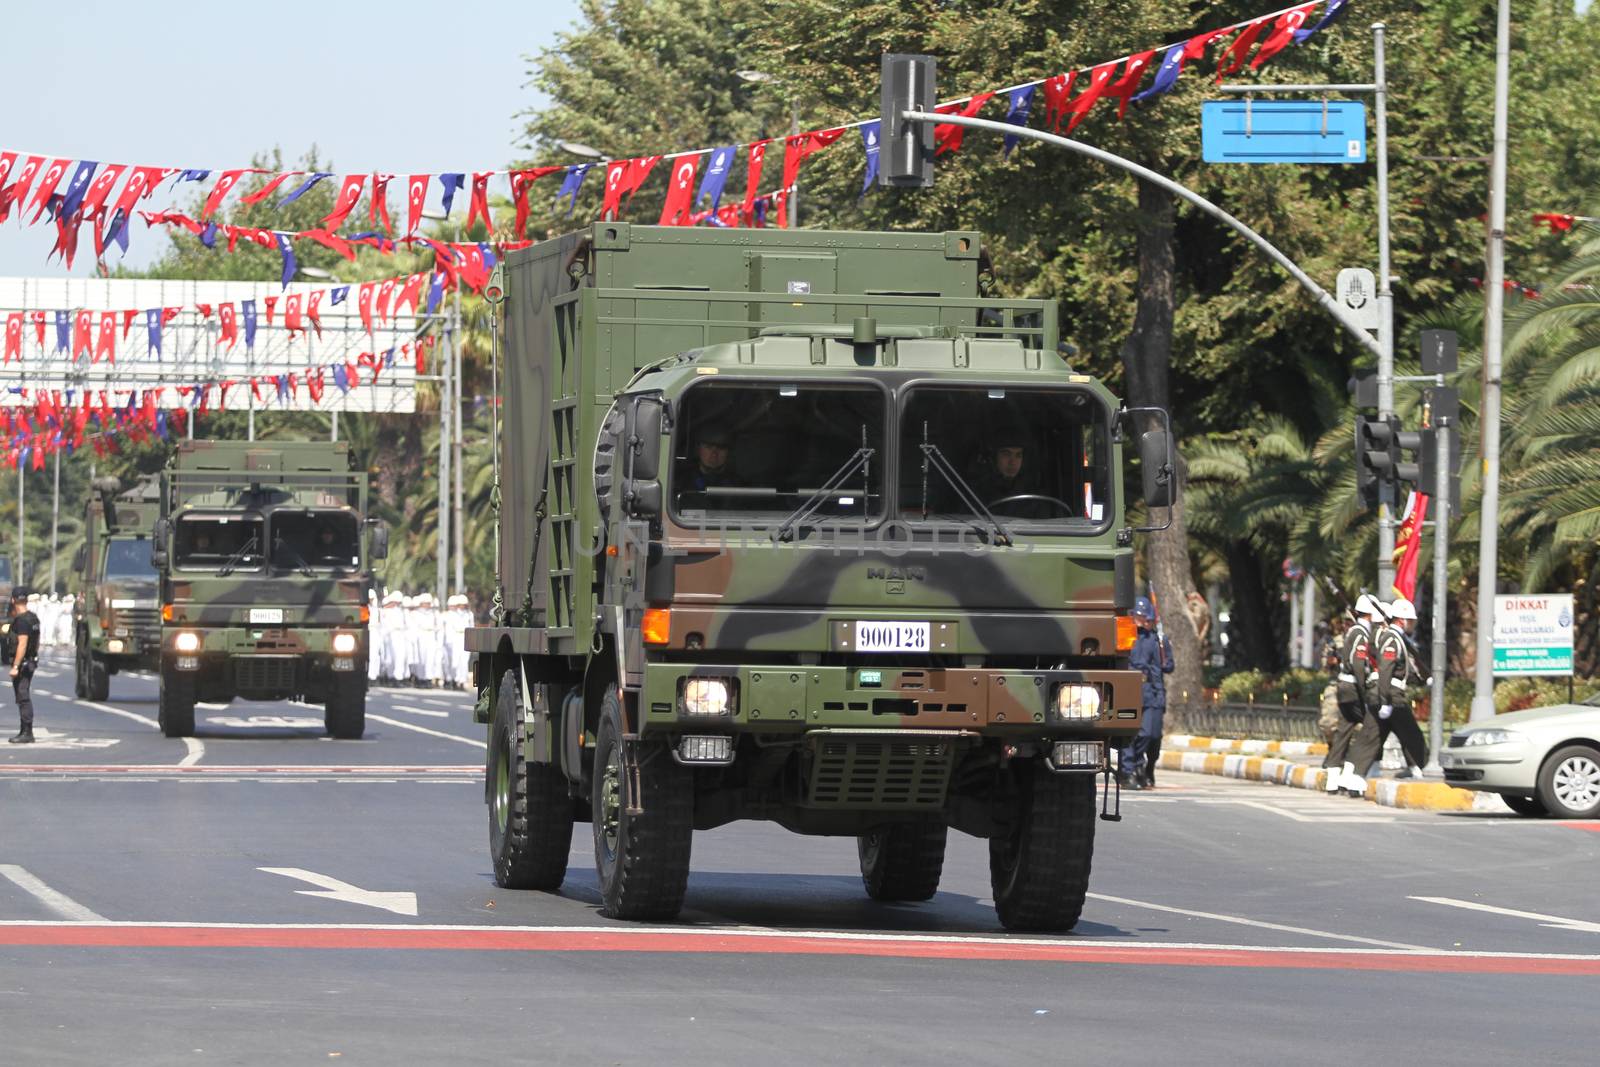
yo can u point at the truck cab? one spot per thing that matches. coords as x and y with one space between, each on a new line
117 612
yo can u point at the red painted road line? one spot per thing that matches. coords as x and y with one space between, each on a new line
145 769
88 935
1592 827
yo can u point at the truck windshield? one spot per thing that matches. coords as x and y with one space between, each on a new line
316 539
1029 456
128 560
204 542
5 570
769 453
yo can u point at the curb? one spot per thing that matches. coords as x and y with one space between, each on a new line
1252 748
1421 796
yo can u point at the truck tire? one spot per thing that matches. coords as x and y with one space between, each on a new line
80 673
1039 864
98 680
176 706
642 858
530 814
345 714
903 860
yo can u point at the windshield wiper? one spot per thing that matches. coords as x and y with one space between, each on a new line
238 556
858 460
304 568
932 457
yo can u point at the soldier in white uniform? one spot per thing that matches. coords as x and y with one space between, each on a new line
374 637
396 663
64 620
456 621
427 668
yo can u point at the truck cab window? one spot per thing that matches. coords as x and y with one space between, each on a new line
128 559
760 452
317 539
1030 456
208 543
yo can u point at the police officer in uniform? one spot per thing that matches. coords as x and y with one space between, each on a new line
1152 656
1355 687
1395 669
22 656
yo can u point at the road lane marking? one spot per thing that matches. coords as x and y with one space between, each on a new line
195 749
424 730
1555 922
1300 813
1260 924
422 711
56 901
418 937
332 889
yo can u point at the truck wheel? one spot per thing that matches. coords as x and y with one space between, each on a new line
176 706
642 857
530 814
345 714
903 860
98 682
80 674
1039 864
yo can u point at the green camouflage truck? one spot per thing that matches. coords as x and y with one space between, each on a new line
797 526
264 551
117 613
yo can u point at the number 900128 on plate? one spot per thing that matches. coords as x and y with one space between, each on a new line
892 637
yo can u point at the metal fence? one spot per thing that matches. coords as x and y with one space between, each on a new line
1265 722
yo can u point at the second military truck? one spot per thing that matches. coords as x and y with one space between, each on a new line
117 620
264 551
797 526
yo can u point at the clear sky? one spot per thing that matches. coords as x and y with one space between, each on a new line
401 86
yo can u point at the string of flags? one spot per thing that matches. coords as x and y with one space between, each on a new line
1559 223
31 185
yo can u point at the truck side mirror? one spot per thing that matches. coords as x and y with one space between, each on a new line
643 498
380 542
80 558
159 540
1155 463
644 439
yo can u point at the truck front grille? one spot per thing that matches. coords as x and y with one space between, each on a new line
875 771
265 673
143 623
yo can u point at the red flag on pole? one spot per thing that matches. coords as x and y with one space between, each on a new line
680 192
1408 545
349 196
416 195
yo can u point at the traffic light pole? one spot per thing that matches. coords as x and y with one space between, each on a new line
1324 298
1387 487
1441 587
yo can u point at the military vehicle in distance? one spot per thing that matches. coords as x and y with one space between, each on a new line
797 526
117 613
264 551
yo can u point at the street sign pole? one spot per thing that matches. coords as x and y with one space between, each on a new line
1441 591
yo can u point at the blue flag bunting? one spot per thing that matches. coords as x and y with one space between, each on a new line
286 247
193 176
488 255
1335 9
161 424
571 183
452 185
283 385
1166 75
77 188
435 292
1020 102
341 378
339 292
152 327
247 311
869 143
716 177
208 236
63 330
303 188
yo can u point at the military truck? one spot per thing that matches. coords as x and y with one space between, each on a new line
117 613
797 526
264 551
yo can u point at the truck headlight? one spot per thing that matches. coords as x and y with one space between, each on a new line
114 646
344 644
706 696
1077 702
186 641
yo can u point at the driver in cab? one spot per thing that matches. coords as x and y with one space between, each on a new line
1008 475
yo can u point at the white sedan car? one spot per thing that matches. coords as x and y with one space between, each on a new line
1543 761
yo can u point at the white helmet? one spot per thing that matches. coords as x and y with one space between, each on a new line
1367 605
1401 608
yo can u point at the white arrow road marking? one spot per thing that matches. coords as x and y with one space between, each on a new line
414 728
422 711
333 889
57 902
1555 922
298 722
1260 924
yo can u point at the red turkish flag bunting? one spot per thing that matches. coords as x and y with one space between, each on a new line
267 189
410 293
219 192
479 204
416 195
1099 78
678 209
141 182
230 326
127 322
95 199
311 310
14 337
752 184
378 207
1233 58
521 182
349 196
82 335
1128 84
30 169
1195 47
380 300
1282 33
106 346
364 305
271 304
947 136
1056 92
291 313
38 325
798 147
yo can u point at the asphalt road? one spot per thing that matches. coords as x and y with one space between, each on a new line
263 894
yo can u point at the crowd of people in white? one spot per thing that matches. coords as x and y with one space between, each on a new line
409 641
412 643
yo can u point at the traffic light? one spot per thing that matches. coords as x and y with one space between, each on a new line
906 152
1377 455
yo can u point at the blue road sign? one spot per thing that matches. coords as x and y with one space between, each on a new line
1283 131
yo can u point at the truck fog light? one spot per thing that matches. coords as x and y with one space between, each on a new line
188 663
344 644
113 646
186 641
706 696
342 663
1077 702
1076 756
705 750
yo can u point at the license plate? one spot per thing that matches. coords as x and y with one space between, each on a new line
266 615
892 636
